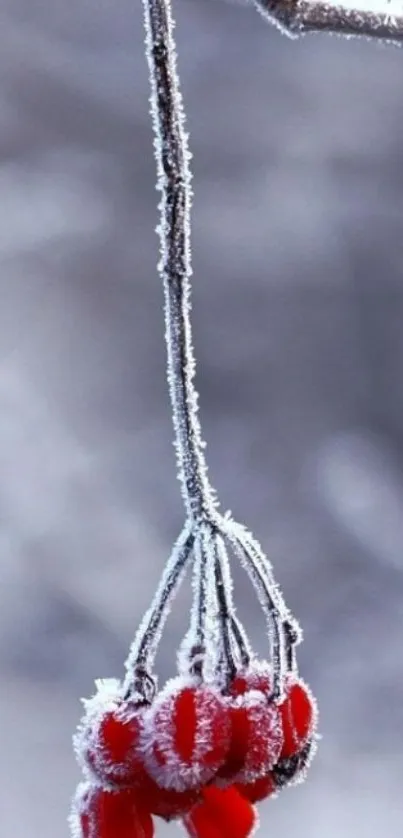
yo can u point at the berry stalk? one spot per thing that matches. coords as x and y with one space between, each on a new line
142 652
271 610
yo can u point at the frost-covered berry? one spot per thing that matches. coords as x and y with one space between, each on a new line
298 716
256 738
107 742
298 710
98 813
222 813
187 734
113 748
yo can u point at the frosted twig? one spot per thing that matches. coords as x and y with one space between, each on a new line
291 630
264 568
144 645
378 19
226 610
270 609
241 641
225 584
174 182
194 650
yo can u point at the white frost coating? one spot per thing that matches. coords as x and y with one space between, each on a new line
78 806
256 823
170 769
256 670
301 775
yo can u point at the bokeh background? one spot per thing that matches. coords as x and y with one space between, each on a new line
298 309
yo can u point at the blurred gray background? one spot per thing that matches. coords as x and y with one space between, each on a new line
298 308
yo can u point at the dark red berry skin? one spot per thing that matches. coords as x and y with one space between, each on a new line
298 718
107 814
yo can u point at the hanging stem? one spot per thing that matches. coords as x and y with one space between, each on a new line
144 646
224 581
241 640
273 615
291 631
174 182
195 642
226 610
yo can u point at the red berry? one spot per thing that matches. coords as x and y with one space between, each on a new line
259 789
298 711
187 736
223 813
298 716
256 738
112 750
107 814
107 741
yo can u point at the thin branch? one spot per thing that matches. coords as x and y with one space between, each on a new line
379 19
174 182
192 654
224 583
225 607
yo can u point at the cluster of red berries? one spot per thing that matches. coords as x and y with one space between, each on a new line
193 752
